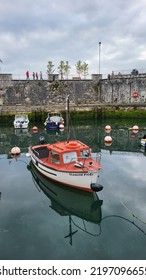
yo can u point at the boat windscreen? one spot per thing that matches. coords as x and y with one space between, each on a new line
70 157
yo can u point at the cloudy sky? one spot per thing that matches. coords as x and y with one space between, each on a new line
35 32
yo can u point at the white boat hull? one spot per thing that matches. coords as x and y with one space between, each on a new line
21 121
25 125
81 180
143 142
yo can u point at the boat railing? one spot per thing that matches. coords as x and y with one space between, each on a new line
36 152
96 157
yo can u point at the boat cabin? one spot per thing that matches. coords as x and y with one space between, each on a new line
59 154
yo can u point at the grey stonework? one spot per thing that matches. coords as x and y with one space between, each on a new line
30 95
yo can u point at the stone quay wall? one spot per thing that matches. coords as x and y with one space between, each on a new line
50 95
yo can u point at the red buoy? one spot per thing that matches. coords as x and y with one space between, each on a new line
35 129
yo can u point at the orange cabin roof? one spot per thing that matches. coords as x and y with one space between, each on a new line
67 146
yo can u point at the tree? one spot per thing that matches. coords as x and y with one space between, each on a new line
50 69
78 66
66 69
61 68
85 69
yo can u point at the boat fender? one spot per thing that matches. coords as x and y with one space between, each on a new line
42 140
15 151
79 164
96 187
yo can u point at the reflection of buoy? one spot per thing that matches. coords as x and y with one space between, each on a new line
132 136
108 140
35 129
61 126
108 128
135 128
15 151
107 144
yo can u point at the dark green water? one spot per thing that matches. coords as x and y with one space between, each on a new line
42 220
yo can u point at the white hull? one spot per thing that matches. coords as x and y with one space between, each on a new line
143 142
81 180
69 200
21 126
21 121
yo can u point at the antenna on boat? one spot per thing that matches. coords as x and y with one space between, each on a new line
67 118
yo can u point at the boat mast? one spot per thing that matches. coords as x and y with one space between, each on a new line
71 233
67 117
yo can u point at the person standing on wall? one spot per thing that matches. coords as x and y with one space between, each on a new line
27 75
36 75
41 76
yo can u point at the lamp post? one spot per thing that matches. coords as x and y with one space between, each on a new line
99 55
0 62
67 69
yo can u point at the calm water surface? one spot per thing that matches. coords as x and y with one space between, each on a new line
42 220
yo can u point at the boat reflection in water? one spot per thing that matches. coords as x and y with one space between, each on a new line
20 131
70 202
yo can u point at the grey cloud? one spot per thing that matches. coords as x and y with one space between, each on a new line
34 32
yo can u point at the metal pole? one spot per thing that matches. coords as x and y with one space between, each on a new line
67 69
99 55
67 118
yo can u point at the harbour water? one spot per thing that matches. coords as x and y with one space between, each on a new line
43 220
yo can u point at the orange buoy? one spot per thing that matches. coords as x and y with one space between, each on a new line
107 144
35 129
108 128
135 128
15 151
61 126
108 139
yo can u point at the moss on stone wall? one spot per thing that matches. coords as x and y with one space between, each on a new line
82 116
125 114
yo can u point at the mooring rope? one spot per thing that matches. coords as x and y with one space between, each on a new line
134 216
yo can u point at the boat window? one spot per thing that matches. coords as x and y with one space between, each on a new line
41 152
55 158
70 157
85 154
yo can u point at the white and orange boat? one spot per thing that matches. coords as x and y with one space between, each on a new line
68 162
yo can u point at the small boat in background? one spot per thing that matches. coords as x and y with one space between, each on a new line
143 141
54 121
21 121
